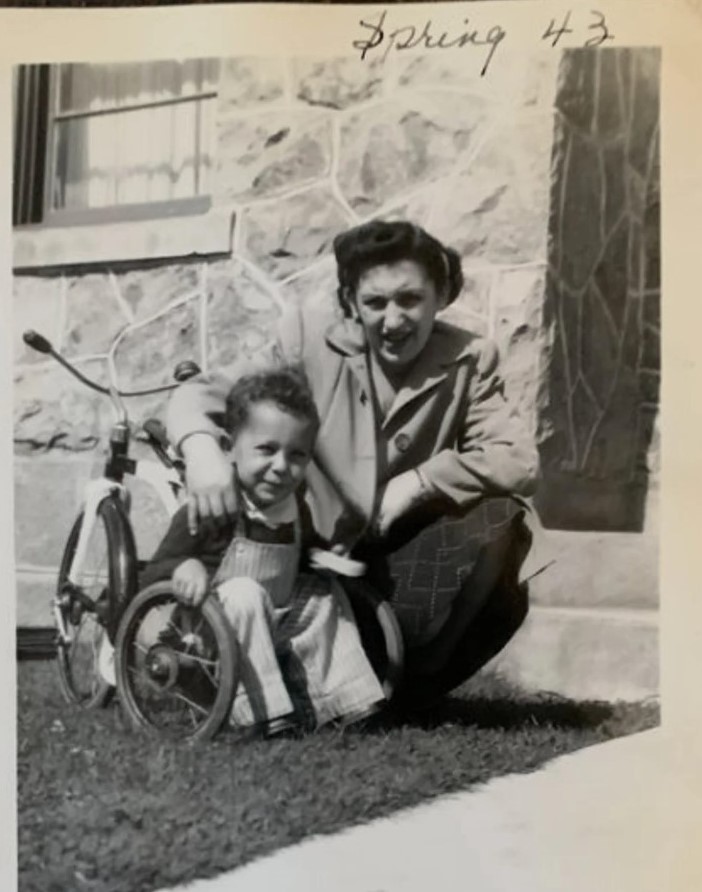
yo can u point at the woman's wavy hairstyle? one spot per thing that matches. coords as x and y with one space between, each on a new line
379 242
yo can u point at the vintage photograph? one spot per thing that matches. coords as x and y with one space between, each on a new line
336 444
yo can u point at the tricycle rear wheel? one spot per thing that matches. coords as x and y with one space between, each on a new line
87 607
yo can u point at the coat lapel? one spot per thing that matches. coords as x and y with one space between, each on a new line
432 367
346 337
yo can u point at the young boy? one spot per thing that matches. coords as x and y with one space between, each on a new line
300 648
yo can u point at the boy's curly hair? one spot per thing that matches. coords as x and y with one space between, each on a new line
286 387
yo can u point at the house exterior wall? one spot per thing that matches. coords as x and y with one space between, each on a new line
304 149
599 438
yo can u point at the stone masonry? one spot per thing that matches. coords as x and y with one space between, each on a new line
304 149
598 428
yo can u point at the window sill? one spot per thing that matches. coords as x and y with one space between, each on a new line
39 247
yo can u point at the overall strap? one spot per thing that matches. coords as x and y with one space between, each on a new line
241 525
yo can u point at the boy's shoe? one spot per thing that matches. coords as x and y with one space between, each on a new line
363 718
283 726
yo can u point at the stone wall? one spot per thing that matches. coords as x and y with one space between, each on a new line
306 148
598 425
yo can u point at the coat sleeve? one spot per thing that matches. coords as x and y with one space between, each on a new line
494 453
198 405
207 545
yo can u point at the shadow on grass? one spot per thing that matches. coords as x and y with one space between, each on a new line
508 714
126 813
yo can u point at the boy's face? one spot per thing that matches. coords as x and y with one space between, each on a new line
271 453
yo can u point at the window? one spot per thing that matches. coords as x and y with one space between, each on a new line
112 142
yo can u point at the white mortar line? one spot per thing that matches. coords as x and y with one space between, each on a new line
492 303
140 323
590 392
334 172
405 92
62 314
268 286
564 177
288 106
653 153
462 164
569 382
513 267
237 229
603 195
597 86
402 197
85 457
620 347
90 357
300 189
124 304
604 306
203 317
327 260
488 131
25 368
365 106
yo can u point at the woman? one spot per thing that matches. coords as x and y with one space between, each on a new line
416 434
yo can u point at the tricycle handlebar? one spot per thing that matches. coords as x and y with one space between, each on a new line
38 342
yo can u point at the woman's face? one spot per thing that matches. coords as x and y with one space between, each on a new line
396 304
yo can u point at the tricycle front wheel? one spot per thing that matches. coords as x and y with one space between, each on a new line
176 665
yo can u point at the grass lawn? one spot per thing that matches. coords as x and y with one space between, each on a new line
103 809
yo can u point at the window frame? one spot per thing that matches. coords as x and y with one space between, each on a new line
152 210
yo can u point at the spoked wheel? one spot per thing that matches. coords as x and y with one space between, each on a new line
85 608
176 666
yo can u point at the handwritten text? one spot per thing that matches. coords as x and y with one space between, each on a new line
410 36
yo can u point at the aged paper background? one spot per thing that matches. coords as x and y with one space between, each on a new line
89 35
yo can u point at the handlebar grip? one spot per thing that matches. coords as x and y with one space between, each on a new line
156 431
186 369
36 341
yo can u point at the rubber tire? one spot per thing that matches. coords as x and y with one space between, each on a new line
379 630
229 657
122 572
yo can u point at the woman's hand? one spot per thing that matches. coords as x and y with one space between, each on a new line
190 582
209 479
401 494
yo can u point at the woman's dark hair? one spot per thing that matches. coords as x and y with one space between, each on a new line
380 242
286 387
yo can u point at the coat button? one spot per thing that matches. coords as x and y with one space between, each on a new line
402 441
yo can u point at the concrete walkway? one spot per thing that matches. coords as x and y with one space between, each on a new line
611 818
